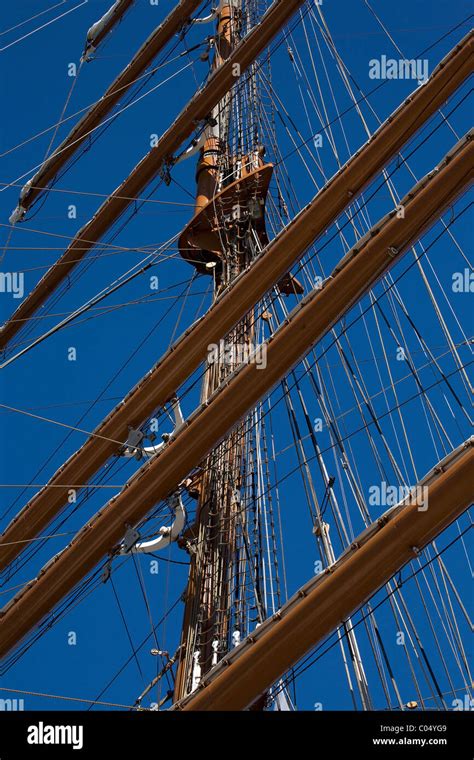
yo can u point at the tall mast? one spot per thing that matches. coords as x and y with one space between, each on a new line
206 633
234 620
187 354
323 307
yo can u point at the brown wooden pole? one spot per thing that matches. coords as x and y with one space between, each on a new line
197 110
316 314
163 380
211 511
315 612
155 43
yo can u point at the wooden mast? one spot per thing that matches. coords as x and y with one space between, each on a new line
163 380
384 548
205 631
355 274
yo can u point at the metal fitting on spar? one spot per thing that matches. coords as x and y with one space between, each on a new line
132 446
167 535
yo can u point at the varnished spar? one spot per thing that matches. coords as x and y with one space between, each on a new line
321 309
158 159
156 42
163 380
323 603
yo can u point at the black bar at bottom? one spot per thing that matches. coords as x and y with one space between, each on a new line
122 734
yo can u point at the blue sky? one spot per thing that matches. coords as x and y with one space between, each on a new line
115 349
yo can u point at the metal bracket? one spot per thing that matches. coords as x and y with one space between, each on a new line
132 444
135 437
129 540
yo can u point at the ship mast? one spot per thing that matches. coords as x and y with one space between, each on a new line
227 598
206 636
217 568
176 365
